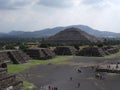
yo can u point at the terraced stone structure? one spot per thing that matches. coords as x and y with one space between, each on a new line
110 50
18 57
9 81
40 53
109 68
4 59
13 56
65 50
91 51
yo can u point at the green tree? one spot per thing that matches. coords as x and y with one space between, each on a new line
9 46
23 47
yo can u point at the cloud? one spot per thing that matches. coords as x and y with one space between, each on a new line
91 1
14 4
5 4
18 4
50 13
56 3
97 4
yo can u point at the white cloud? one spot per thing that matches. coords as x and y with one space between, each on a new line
15 4
103 15
56 3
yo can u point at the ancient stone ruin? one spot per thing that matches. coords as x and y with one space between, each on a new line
9 81
65 50
109 68
40 53
97 52
91 51
13 56
18 57
110 50
4 58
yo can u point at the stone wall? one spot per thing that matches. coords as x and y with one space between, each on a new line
18 57
40 53
9 81
4 58
65 50
91 51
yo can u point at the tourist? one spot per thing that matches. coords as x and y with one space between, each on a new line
55 88
52 88
49 87
71 78
78 85
117 66
79 70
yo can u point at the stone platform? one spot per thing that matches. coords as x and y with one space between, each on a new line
110 68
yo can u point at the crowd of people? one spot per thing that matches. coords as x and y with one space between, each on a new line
49 87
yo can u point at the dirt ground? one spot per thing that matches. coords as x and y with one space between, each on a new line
67 77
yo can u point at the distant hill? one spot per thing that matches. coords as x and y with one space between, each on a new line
37 34
52 31
2 34
72 35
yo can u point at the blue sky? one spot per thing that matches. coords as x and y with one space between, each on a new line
31 15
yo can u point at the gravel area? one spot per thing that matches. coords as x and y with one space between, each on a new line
67 77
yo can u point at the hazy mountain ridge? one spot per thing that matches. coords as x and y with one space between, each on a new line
52 31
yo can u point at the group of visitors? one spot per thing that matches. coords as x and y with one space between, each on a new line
52 88
49 87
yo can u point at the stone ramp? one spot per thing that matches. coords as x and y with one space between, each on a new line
48 53
24 55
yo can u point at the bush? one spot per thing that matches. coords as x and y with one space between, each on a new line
100 45
9 46
23 47
44 45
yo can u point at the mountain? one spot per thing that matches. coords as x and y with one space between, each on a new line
52 31
97 33
72 35
37 34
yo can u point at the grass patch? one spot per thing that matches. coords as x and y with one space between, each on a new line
113 55
91 78
27 86
12 68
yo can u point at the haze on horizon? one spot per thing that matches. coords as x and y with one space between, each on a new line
30 15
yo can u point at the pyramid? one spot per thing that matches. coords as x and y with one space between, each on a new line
73 35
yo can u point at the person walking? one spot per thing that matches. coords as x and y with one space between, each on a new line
70 78
78 85
49 87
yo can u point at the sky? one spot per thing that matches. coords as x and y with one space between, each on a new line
32 15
